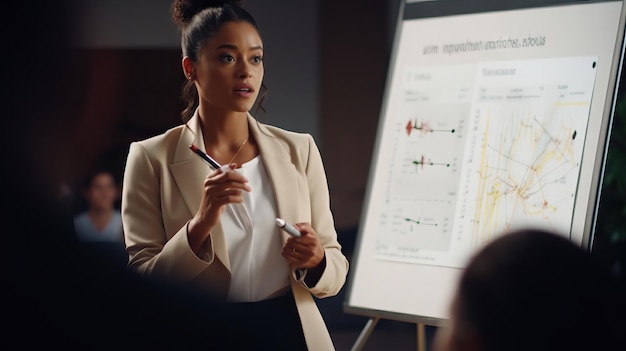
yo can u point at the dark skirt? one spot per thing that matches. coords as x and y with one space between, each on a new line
272 324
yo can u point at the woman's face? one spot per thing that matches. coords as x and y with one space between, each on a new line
229 71
102 192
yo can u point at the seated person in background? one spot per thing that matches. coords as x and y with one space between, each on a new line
101 221
534 290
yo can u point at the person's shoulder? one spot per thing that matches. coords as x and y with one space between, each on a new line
293 142
82 224
283 133
300 146
81 217
158 150
164 138
161 147
117 216
274 129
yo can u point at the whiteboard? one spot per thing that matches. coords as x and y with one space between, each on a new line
496 115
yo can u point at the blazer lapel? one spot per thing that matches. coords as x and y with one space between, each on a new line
189 172
280 170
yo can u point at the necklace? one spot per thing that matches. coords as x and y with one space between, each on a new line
237 153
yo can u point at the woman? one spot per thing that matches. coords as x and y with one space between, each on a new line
216 230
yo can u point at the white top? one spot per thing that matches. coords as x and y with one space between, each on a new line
253 240
86 230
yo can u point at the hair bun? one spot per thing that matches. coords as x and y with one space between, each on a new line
184 10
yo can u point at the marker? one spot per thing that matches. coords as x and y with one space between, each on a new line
288 227
208 159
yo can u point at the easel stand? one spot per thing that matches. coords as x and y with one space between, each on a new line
369 328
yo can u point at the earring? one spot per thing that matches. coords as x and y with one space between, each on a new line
189 76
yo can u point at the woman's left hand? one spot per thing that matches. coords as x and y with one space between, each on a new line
305 251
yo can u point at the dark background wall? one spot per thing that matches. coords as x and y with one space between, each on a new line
325 78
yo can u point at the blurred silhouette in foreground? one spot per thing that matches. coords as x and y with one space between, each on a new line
534 290
56 293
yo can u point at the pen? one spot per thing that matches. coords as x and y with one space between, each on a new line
207 158
288 227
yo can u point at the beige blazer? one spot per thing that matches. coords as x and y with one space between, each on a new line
162 191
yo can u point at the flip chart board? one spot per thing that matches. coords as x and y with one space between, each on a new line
496 115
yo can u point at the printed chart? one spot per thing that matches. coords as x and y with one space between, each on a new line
427 139
483 149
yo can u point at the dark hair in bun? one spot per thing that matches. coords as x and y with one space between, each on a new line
198 21
184 10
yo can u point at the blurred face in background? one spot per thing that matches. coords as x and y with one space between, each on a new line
101 193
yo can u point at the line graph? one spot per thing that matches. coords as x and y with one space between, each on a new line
415 231
419 222
520 174
428 154
423 127
423 151
524 151
467 159
428 162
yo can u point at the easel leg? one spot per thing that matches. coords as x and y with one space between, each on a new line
365 333
421 337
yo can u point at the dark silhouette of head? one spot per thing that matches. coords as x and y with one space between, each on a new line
534 290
